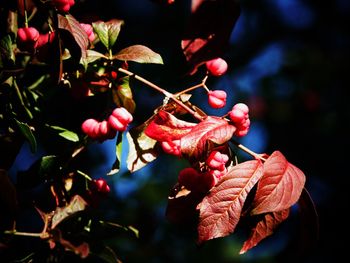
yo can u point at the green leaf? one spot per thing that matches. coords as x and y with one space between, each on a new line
108 31
68 22
122 95
68 135
28 134
47 164
140 54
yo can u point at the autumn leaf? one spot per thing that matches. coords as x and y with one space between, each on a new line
68 22
264 228
140 54
212 129
166 127
220 211
280 186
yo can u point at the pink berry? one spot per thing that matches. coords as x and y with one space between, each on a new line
243 107
217 98
172 147
217 66
116 123
122 115
88 126
217 160
63 5
236 115
89 31
188 177
27 38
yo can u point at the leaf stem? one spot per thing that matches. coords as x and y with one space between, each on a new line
163 91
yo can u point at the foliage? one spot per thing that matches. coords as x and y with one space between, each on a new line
67 63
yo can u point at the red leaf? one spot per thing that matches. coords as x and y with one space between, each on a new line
280 186
213 129
208 30
220 211
166 127
264 228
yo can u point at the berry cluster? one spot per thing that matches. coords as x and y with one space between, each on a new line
29 38
106 129
239 115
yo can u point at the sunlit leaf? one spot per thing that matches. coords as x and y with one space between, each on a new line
264 228
68 22
280 186
28 134
140 54
92 56
199 139
67 134
141 149
166 127
220 210
108 32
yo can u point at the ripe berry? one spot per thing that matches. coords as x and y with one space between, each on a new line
239 115
45 39
102 186
217 98
27 38
89 31
188 177
217 66
88 126
217 160
119 119
172 147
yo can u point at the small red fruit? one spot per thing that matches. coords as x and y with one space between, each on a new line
102 186
217 66
119 119
63 5
89 31
27 38
172 147
217 98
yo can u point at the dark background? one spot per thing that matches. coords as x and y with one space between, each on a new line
289 61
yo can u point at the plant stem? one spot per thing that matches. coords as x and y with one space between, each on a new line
14 232
164 92
202 84
247 150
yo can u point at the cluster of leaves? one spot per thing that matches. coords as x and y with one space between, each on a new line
93 74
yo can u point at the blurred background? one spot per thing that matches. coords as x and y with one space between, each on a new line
289 61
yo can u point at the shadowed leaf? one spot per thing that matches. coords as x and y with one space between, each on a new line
211 130
122 95
220 211
68 22
68 135
280 186
28 134
118 153
264 228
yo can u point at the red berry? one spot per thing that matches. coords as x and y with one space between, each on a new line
172 147
217 160
27 38
102 186
116 124
243 107
217 98
89 31
217 67
45 39
122 115
188 177
236 115
88 126
63 5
